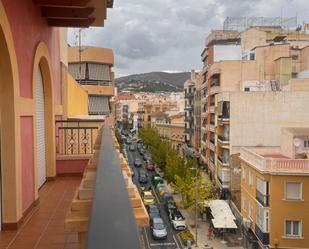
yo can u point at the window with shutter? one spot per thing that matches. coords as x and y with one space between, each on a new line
293 191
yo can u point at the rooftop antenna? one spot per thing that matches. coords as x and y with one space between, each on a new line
78 37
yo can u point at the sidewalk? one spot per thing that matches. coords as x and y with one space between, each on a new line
232 241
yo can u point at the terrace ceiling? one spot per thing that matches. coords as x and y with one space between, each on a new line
74 13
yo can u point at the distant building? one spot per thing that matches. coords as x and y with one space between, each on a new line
250 80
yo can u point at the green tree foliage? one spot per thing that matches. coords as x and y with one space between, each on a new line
179 172
118 137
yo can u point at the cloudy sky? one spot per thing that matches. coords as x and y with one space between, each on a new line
168 35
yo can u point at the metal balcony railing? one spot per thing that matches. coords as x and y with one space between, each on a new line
263 237
112 215
76 137
189 95
263 199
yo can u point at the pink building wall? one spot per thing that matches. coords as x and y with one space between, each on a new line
27 161
28 30
69 167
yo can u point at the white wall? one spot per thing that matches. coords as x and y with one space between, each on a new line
256 118
227 52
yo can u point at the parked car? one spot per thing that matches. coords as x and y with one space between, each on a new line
148 198
153 211
141 152
158 229
170 206
146 157
142 176
138 162
132 147
139 146
150 167
177 220
128 141
156 180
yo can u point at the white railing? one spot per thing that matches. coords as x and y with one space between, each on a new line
211 146
275 165
212 109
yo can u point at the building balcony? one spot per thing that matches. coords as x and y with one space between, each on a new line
212 128
223 140
189 130
93 209
276 165
212 109
223 184
214 89
188 118
263 237
212 146
262 198
189 108
189 95
224 119
222 163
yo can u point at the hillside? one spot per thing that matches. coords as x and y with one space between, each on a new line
153 82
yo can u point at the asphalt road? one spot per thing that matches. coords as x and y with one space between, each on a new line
172 241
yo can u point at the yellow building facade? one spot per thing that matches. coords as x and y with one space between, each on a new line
274 200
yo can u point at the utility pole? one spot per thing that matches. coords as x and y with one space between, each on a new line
196 195
80 53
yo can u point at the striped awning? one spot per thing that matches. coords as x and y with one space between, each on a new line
77 70
99 105
99 72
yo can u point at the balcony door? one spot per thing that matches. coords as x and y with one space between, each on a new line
40 130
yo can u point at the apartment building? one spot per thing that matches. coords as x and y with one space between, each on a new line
126 110
172 129
148 105
263 78
192 96
92 68
274 183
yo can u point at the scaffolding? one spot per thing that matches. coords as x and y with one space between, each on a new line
242 23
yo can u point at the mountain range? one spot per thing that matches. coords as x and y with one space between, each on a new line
153 82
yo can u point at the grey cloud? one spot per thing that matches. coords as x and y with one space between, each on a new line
169 34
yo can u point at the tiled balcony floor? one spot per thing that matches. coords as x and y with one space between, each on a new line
44 226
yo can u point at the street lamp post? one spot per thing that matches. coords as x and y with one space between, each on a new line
196 202
196 193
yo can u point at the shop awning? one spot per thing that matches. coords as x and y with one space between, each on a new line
224 222
222 213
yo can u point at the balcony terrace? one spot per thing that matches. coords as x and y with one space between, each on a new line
274 163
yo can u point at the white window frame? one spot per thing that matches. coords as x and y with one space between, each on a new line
244 174
301 191
299 229
250 211
251 178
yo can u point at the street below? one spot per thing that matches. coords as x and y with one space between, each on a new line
172 241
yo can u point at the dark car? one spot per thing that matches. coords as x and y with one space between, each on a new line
170 206
158 229
138 162
142 176
146 157
132 147
153 211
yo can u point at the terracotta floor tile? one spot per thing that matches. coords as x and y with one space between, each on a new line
45 227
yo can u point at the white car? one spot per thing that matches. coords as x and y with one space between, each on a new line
177 220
